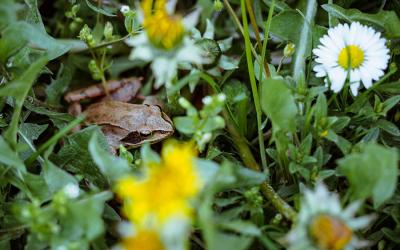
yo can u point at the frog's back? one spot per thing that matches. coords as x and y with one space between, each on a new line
132 117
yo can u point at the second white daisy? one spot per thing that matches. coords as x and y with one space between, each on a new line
356 52
322 223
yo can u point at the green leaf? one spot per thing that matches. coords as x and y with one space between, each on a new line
33 15
238 96
75 155
36 187
385 20
186 124
303 42
148 155
9 157
55 177
99 10
388 127
112 167
278 103
19 89
83 219
58 86
372 172
59 119
37 39
242 227
29 132
321 108
8 13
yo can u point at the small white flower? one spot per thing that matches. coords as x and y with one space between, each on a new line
207 100
323 224
356 52
124 9
72 190
221 97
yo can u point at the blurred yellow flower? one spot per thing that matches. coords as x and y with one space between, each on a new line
330 233
143 239
164 30
166 189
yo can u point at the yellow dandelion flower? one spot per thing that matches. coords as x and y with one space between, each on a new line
143 239
163 30
166 190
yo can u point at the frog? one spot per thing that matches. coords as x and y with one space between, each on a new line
122 122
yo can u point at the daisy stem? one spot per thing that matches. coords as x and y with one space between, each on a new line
254 87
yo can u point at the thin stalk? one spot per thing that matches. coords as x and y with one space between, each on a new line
266 34
240 27
78 50
254 23
254 88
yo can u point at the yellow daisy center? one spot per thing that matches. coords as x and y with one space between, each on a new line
351 56
164 31
330 233
144 239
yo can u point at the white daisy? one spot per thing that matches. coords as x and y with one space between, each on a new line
356 52
165 42
322 223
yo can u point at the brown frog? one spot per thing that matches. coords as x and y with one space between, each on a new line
122 123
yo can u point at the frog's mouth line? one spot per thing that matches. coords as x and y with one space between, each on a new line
137 137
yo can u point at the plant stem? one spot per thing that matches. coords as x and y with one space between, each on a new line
247 157
254 24
240 27
254 88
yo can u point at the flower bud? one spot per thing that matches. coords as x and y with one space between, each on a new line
108 31
184 103
219 121
218 5
124 9
289 50
207 100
